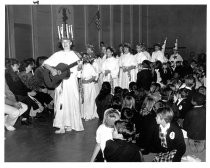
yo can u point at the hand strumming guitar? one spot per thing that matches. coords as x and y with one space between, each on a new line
55 72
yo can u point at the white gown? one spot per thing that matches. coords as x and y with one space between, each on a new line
158 56
127 60
97 67
89 109
111 64
67 100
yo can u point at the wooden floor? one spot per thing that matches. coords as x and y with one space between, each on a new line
39 143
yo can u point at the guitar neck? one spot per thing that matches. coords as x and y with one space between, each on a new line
71 65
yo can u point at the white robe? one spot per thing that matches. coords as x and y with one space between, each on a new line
127 60
89 109
97 67
140 57
67 100
111 64
158 56
174 58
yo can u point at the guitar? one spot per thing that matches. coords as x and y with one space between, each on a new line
51 81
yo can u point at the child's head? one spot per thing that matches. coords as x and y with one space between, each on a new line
184 93
147 105
116 102
132 86
202 90
129 102
198 99
106 86
159 104
118 90
127 114
164 115
166 94
155 87
110 116
123 130
190 81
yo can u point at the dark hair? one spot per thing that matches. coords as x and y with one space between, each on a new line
118 90
39 59
7 63
25 64
127 129
111 49
10 71
146 64
127 45
116 103
199 98
158 65
105 90
13 61
184 92
127 114
157 87
125 92
158 45
131 85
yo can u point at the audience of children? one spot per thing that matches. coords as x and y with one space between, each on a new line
143 112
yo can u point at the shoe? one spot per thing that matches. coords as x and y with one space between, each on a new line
68 129
10 128
60 131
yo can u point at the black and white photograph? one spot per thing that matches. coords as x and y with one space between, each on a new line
113 82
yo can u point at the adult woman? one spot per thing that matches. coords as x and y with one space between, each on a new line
67 99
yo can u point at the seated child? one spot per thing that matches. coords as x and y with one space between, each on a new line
104 131
169 141
119 149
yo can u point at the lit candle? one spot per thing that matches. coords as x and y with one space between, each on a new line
72 33
62 30
67 32
59 35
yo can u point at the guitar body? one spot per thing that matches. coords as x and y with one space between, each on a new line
51 81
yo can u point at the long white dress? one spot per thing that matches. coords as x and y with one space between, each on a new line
67 100
111 64
89 109
127 60
97 67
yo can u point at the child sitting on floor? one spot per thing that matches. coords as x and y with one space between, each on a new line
104 131
169 141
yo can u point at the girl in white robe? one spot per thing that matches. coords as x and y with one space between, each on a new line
67 100
110 69
88 77
128 65
96 62
158 54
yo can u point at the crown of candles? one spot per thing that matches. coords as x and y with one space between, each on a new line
65 32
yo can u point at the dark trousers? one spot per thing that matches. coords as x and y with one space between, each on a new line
29 102
43 98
